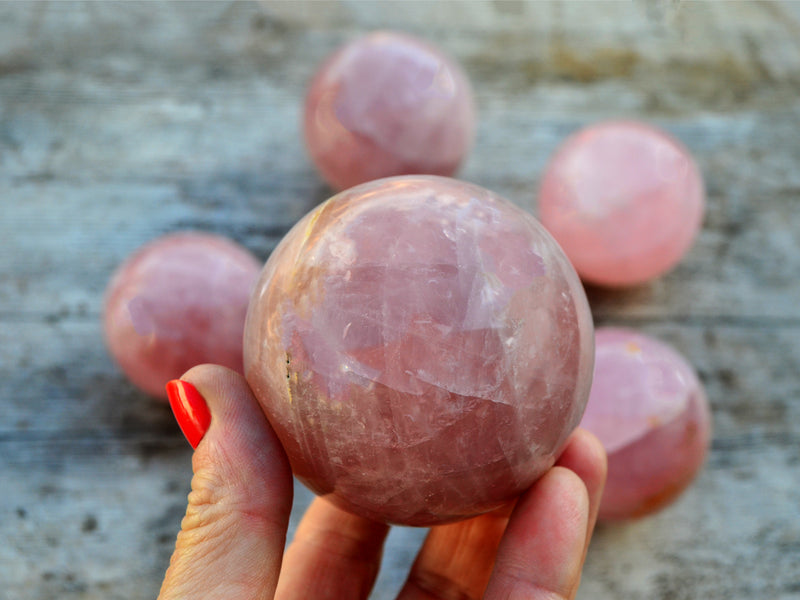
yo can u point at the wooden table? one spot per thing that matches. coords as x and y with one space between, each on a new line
120 122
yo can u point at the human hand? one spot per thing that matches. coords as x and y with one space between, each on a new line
231 543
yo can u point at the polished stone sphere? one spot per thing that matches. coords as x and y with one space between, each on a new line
624 200
177 302
422 348
649 410
388 104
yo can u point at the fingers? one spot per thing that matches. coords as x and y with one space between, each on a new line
458 560
232 537
542 552
334 555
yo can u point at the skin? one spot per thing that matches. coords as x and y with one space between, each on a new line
231 543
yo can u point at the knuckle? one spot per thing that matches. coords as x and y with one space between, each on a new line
208 515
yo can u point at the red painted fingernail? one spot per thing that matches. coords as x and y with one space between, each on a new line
190 408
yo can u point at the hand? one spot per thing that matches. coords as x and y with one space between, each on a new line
231 543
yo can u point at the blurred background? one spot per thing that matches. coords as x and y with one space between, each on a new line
123 121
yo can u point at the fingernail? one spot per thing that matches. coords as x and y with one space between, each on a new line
190 408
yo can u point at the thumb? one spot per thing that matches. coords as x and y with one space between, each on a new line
232 537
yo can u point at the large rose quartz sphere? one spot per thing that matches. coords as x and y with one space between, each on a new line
650 412
422 348
624 200
177 302
388 104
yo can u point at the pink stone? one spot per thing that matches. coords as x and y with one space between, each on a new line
650 412
388 104
177 302
422 348
624 200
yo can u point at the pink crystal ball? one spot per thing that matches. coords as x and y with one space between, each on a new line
624 200
177 302
649 410
421 347
388 104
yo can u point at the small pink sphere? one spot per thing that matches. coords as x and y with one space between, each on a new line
177 302
422 348
624 200
388 104
650 412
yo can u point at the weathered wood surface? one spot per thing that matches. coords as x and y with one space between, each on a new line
123 121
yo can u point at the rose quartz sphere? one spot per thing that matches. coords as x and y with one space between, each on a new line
624 200
388 104
651 414
177 302
422 348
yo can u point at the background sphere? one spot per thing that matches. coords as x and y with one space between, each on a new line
624 200
388 104
422 348
177 302
649 410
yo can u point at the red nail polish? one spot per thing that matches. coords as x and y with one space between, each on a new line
190 408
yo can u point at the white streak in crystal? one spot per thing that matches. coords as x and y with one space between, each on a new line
345 250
